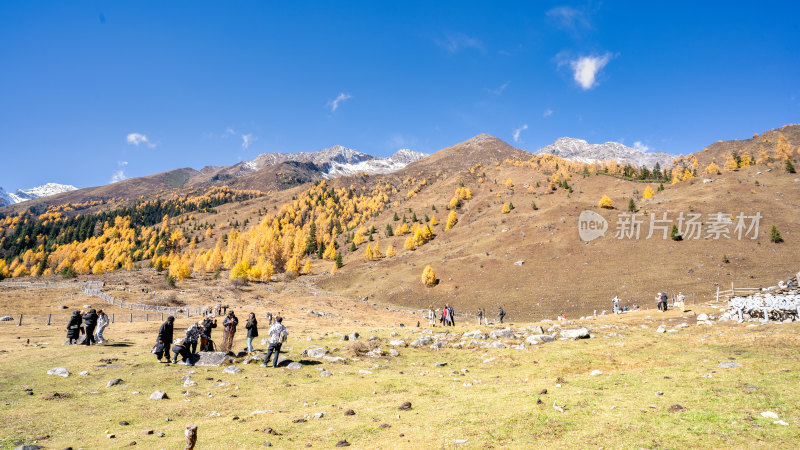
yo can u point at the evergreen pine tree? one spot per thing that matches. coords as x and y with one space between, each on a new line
775 235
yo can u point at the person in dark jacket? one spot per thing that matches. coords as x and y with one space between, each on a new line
74 327
229 331
90 321
501 314
192 336
252 331
205 332
165 336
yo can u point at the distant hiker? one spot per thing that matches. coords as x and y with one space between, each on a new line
74 327
431 316
445 316
192 336
485 317
229 330
616 301
277 336
102 323
252 331
164 338
658 301
269 318
452 314
501 314
90 322
180 348
681 301
205 332
661 300
480 316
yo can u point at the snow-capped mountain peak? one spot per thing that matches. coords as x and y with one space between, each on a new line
582 151
45 190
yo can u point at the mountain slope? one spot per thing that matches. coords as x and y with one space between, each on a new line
481 149
45 190
582 151
767 141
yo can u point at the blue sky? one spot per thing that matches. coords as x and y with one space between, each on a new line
96 91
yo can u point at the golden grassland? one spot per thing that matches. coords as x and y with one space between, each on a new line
488 397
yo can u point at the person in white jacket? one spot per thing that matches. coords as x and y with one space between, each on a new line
277 336
102 323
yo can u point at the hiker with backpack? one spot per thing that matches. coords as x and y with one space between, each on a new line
181 348
164 339
205 334
90 322
501 314
229 330
74 327
192 336
277 336
252 331
451 312
102 323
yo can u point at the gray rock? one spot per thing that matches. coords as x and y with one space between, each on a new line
438 345
255 359
210 359
334 359
189 383
580 333
539 338
85 373
497 344
158 395
393 352
316 352
507 333
425 340
6 319
520 262
440 364
319 415
325 373
398 343
729 365
661 329
28 447
114 382
62 307
294 365
536 330
375 353
60 371
232 369
702 317
354 336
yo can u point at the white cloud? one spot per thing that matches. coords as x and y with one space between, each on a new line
247 139
119 174
638 145
570 19
519 130
454 42
499 90
334 104
585 69
547 112
136 139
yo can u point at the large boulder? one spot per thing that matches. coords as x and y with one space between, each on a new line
579 333
210 359
232 369
506 333
536 330
158 395
424 340
398 343
539 338
316 352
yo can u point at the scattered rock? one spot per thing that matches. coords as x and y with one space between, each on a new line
596 372
659 393
160 434
580 333
676 407
702 317
506 333
729 365
407 406
319 415
661 329
28 447
316 352
294 365
124 422
114 382
769 415
334 359
158 395
461 441
189 383
440 364
85 373
301 420
398 343
60 371
343 443
538 338
232 369
325 373
497 344
146 432
349 412
780 422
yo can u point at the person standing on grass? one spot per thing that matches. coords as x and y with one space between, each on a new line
165 337
102 323
269 318
229 330
431 316
616 301
501 314
205 332
277 336
192 336
252 331
480 316
664 301
74 327
452 314
90 322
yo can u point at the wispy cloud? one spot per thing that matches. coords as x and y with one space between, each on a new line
547 112
137 139
342 97
638 145
499 90
247 139
119 174
455 42
570 19
518 131
586 68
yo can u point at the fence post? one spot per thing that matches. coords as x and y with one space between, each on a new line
131 321
717 293
187 312
733 291
19 324
48 319
162 316
112 318
147 317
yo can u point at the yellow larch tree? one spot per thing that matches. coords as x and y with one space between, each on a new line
307 267
452 219
648 192
390 253
606 202
428 276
